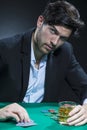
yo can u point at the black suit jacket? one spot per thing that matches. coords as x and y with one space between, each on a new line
64 79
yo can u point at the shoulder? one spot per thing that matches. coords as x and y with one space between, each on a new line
65 49
67 46
15 43
10 41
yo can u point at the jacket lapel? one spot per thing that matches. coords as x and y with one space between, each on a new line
25 62
52 70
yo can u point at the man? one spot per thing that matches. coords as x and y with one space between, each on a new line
39 65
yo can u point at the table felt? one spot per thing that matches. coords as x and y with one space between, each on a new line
43 122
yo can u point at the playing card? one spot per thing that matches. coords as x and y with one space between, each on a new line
26 124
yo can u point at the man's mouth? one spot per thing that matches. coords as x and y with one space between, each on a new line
48 47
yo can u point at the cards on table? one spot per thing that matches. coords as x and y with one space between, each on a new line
26 124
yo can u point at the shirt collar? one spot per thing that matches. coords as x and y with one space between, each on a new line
44 59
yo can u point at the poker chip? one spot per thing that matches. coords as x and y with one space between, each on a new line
51 110
54 118
53 114
44 111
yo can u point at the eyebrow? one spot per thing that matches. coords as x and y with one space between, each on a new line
56 31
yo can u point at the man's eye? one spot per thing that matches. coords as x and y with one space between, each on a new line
52 31
63 39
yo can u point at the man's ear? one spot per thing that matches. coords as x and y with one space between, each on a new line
40 21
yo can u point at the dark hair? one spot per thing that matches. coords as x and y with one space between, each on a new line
63 13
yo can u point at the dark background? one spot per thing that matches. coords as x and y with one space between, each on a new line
19 15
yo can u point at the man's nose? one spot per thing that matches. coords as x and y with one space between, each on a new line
56 40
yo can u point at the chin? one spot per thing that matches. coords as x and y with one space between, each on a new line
45 52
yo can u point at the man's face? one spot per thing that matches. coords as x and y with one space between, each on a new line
48 37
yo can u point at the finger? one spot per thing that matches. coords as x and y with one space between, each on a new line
7 115
15 116
20 115
26 117
78 115
75 110
19 111
74 117
81 123
23 115
76 121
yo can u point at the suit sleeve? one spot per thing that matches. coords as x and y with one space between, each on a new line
76 77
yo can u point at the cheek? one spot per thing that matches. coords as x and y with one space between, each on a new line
46 36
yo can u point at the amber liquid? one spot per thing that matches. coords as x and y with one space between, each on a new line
64 113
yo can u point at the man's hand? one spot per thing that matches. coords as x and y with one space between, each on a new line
14 111
78 116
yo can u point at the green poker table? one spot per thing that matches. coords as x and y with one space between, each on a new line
43 121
